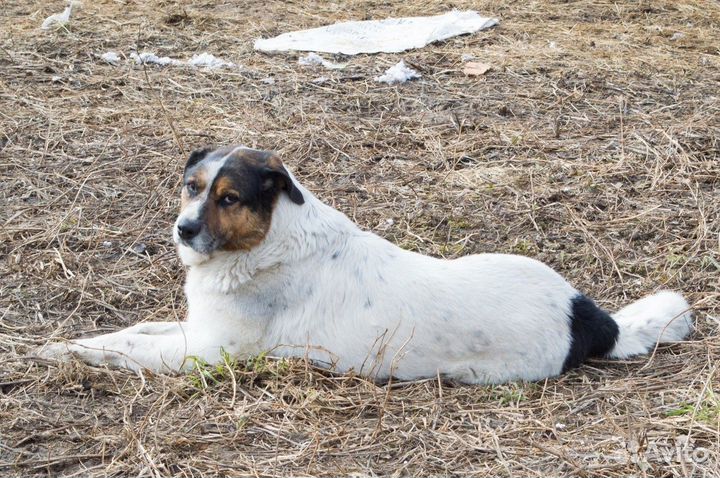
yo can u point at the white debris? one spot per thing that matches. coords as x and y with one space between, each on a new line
60 19
107 244
310 59
269 80
560 426
151 58
320 80
209 61
552 45
467 57
202 60
391 35
110 57
56 79
397 74
313 59
677 36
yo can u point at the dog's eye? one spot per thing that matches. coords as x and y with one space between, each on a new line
228 200
191 188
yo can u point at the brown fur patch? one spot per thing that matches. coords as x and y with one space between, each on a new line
257 158
224 186
241 227
274 161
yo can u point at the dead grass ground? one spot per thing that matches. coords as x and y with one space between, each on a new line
591 145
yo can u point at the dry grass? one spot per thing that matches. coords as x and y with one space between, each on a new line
597 153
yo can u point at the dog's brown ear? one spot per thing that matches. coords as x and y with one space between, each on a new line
277 171
197 156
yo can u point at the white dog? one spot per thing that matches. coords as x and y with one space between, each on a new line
273 269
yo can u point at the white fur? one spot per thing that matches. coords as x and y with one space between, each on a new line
319 287
662 317
191 212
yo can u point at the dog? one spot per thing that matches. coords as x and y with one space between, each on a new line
271 268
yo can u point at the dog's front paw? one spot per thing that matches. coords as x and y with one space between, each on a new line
59 351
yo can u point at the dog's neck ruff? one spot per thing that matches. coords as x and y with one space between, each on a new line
297 233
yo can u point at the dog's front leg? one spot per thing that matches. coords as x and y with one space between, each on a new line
164 347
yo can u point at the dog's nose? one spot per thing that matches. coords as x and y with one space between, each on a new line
188 229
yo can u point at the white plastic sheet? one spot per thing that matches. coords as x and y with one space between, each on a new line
391 35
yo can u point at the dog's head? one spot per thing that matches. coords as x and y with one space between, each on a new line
228 198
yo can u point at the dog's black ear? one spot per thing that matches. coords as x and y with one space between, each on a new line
277 171
197 156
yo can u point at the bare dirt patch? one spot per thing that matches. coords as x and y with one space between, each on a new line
591 144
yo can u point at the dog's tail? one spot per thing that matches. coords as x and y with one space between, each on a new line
662 317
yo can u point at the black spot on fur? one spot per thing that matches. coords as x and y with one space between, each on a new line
593 332
271 167
258 175
196 156
249 181
335 255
